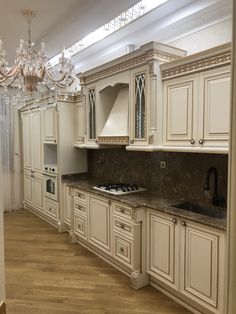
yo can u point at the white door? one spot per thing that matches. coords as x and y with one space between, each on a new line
199 264
162 246
38 192
180 100
27 144
50 125
79 123
28 187
214 96
36 132
99 223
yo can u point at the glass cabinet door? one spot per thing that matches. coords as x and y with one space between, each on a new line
140 107
92 113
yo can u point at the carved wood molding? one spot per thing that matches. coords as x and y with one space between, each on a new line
3 308
195 66
115 140
151 55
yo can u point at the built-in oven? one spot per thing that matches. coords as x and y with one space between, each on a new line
50 184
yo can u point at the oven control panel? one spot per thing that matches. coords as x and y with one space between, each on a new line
50 168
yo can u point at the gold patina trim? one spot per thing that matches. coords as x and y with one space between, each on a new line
115 140
192 67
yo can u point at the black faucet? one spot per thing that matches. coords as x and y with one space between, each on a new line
217 199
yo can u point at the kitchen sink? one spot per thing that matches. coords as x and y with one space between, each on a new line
203 210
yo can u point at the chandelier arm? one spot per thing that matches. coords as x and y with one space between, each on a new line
10 73
50 75
11 80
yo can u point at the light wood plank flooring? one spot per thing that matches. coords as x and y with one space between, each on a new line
45 274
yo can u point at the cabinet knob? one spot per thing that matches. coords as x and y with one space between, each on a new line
121 249
109 202
122 210
192 141
201 141
131 141
174 220
122 226
183 223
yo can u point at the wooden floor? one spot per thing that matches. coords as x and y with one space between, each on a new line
45 274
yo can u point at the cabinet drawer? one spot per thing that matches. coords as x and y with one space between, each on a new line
123 226
122 211
123 249
80 208
51 208
80 226
80 195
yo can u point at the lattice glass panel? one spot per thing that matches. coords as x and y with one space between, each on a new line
92 114
140 107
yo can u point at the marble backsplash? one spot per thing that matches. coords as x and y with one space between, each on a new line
183 178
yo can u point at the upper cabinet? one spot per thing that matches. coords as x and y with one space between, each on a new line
196 104
123 99
50 125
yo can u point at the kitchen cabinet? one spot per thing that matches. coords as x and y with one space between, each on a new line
196 104
51 209
197 108
80 217
99 223
28 187
38 191
162 248
50 123
79 123
68 204
32 141
189 258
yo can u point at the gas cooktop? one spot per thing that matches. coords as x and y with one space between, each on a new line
119 188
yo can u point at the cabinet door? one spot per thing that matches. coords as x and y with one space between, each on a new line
199 264
214 95
28 187
68 203
27 147
139 107
79 123
50 125
37 144
99 223
91 105
38 192
180 100
162 246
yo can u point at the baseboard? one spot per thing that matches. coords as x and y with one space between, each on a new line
3 308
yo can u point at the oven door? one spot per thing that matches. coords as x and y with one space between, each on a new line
50 186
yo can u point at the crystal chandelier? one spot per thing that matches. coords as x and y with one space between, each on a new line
32 73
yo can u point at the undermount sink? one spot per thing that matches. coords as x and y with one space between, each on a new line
203 210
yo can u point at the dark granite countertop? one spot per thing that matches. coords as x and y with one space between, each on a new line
148 199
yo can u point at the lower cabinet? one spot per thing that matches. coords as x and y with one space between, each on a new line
188 257
99 229
68 204
33 190
51 209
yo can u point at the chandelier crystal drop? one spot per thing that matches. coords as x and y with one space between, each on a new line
32 73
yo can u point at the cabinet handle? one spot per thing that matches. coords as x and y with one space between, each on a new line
32 176
174 220
122 226
192 141
121 249
122 210
183 223
201 141
131 141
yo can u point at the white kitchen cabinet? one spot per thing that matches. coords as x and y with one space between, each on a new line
28 187
202 265
79 123
214 107
99 223
38 191
50 123
68 204
51 209
189 258
180 101
32 141
162 249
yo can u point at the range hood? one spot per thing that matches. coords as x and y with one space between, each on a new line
115 131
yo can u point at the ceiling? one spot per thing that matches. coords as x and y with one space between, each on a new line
61 22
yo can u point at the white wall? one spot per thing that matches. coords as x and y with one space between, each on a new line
203 39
